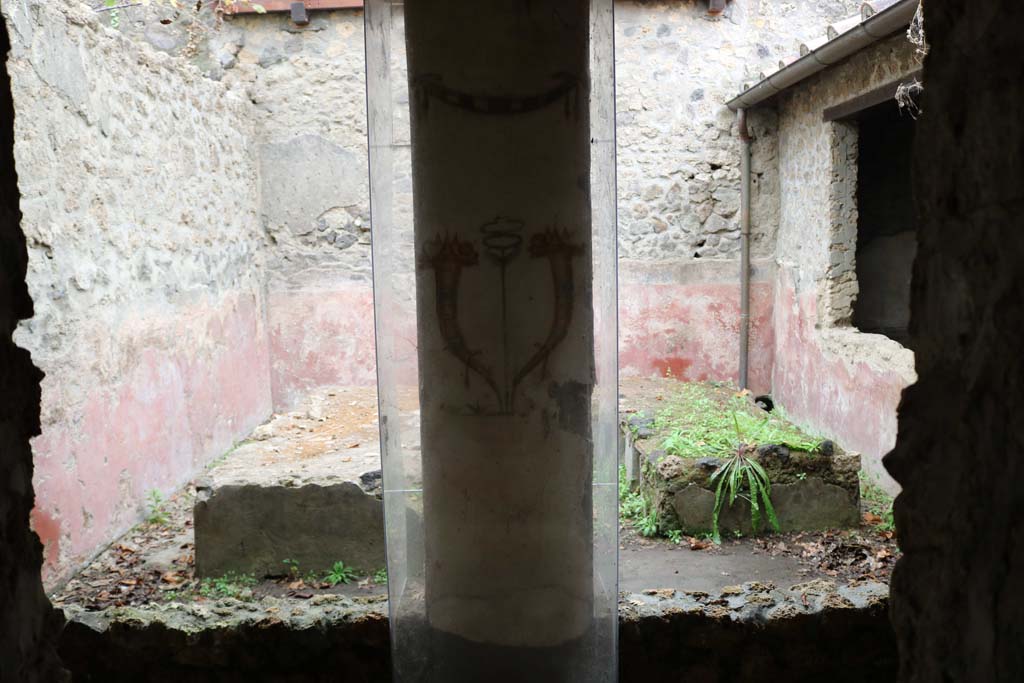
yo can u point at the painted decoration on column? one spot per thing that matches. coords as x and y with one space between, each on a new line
430 86
501 240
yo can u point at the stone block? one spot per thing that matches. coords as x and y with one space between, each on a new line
252 528
807 505
306 486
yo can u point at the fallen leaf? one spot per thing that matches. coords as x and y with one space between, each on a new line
355 445
872 518
698 544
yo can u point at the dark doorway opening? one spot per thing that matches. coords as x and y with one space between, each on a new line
886 235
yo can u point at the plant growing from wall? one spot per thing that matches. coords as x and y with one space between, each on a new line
741 476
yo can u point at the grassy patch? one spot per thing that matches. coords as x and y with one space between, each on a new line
709 419
231 585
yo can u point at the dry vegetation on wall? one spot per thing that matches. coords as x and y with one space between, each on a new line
907 93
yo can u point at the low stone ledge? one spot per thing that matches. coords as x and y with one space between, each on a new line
304 487
810 491
750 632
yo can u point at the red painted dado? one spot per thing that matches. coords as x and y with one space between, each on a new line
188 386
852 402
320 336
323 336
691 331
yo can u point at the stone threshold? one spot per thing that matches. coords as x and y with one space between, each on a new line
818 630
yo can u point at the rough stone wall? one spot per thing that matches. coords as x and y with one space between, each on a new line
678 173
958 590
28 624
676 67
827 375
308 86
139 193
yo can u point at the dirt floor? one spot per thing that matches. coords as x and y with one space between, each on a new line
155 562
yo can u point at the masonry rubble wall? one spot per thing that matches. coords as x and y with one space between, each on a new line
678 177
831 378
139 194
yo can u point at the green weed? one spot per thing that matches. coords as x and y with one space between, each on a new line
878 502
156 510
743 477
341 573
634 507
231 585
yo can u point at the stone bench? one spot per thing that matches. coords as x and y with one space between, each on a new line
305 487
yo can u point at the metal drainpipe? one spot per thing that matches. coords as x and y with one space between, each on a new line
744 247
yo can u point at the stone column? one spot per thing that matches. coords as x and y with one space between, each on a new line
501 167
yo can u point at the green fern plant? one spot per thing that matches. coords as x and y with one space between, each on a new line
741 476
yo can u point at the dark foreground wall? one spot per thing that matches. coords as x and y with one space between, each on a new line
660 640
958 592
28 625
